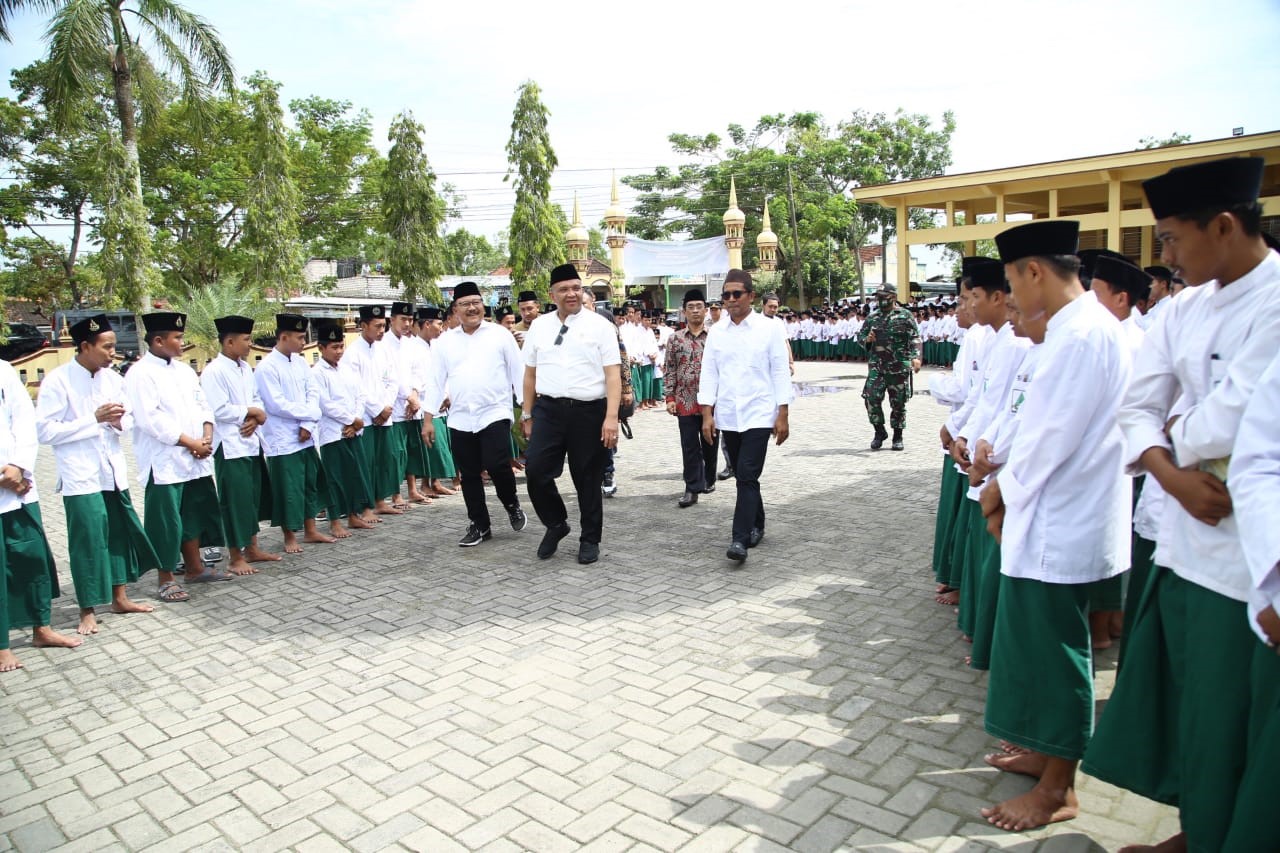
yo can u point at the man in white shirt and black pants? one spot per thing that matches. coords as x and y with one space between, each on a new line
745 392
481 364
572 377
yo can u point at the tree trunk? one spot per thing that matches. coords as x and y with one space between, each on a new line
122 80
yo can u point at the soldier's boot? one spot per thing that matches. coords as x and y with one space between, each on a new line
878 441
897 439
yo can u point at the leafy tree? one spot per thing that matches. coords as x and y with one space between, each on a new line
471 254
91 38
412 213
1174 138
536 237
273 252
221 298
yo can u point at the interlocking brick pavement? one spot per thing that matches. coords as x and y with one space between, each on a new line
395 692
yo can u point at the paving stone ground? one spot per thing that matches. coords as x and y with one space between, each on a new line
397 692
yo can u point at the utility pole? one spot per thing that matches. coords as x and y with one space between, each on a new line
795 240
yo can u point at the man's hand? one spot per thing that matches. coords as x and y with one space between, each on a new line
109 413
197 447
248 428
256 414
1202 495
781 426
982 462
526 427
410 408
304 435
444 407
708 427
357 424
944 435
429 432
348 431
915 365
992 503
609 431
671 407
382 416
1269 622
960 453
871 336
12 480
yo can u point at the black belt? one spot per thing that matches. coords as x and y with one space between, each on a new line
569 401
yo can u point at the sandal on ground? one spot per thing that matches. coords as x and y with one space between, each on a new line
171 592
208 576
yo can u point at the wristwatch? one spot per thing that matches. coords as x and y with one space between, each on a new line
526 416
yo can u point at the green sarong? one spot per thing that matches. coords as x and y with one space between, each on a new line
986 583
384 446
1253 822
950 493
415 448
975 552
1107 594
960 540
346 478
30 577
1142 564
440 464
1176 729
109 547
1040 691
180 512
646 382
298 488
244 495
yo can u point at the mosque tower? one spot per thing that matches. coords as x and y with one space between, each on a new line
615 223
767 244
577 240
734 221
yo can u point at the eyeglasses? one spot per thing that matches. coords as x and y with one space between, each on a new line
564 330
733 294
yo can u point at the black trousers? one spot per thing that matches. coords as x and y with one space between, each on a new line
700 458
486 450
561 429
746 454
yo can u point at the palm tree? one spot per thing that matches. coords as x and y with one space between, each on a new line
88 38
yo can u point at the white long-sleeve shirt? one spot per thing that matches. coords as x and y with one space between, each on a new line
230 389
484 370
291 402
1254 480
341 399
1067 500
18 440
950 389
1003 360
1206 351
419 359
377 377
745 373
167 403
88 453
1003 430
399 353
981 338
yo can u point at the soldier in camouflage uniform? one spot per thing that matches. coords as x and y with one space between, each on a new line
892 341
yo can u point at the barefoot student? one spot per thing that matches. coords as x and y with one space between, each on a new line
29 581
379 383
292 402
349 493
173 443
81 413
1060 506
243 487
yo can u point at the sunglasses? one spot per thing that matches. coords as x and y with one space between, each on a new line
564 330
733 294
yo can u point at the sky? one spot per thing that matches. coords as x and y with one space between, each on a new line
1028 82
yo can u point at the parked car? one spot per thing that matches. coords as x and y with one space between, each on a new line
24 338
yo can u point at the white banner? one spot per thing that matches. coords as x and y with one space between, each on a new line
643 258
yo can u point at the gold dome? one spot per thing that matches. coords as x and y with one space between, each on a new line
615 210
578 232
734 216
766 237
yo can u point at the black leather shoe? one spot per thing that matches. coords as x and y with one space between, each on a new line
475 536
754 537
711 487
689 499
737 552
551 540
588 552
725 474
878 441
897 439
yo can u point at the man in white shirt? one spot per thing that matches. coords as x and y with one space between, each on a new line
348 492
481 365
1159 295
1068 456
81 414
572 373
173 443
442 472
27 573
379 381
293 411
769 307
404 411
744 389
1177 727
227 382
415 362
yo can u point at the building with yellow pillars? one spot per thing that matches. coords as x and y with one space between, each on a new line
1103 193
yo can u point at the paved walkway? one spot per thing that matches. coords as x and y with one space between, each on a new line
397 692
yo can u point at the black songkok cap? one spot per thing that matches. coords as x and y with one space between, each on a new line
1089 259
431 312
503 311
984 272
1215 185
527 296
465 289
330 333
89 327
234 324
564 272
372 312
694 295
401 309
164 321
1039 239
1123 275
1163 273
290 323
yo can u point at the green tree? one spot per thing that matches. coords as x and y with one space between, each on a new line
535 236
471 254
222 298
1174 138
412 214
90 38
273 252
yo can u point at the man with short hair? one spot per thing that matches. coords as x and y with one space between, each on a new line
229 386
572 373
745 393
1159 294
684 368
173 443
399 354
292 402
769 308
527 302
348 492
380 383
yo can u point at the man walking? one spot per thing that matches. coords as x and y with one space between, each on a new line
683 369
892 341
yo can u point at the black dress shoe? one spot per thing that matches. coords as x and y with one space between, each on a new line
711 487
754 537
725 474
689 499
897 440
551 540
878 441
737 552
588 552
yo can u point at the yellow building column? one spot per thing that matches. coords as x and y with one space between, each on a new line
904 254
1115 207
1148 245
